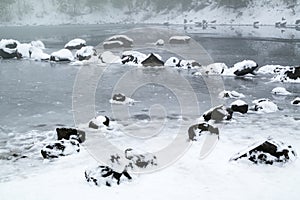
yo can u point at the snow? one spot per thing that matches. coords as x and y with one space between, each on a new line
109 43
280 91
38 54
128 100
269 69
75 42
238 103
38 44
265 106
245 64
180 38
24 49
119 38
63 54
5 42
109 57
231 94
85 51
214 69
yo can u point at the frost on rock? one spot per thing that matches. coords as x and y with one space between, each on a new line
239 106
104 175
99 121
218 114
231 94
296 101
265 106
197 130
123 40
280 91
8 49
267 152
63 55
85 53
179 39
60 148
75 44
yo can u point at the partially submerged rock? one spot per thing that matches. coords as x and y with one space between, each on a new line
85 53
67 133
214 69
119 97
8 49
179 39
99 121
152 60
104 175
63 55
195 131
112 44
296 101
218 114
231 94
244 67
125 40
75 44
267 152
184 64
239 106
280 91
132 57
265 105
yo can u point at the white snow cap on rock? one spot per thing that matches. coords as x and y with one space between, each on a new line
265 106
63 54
5 42
238 103
214 69
269 69
280 91
75 42
239 67
231 94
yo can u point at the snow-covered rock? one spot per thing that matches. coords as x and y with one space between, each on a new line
67 133
179 39
99 121
296 101
63 55
152 60
265 106
288 74
133 57
218 113
38 54
8 49
242 68
104 175
267 152
24 49
239 106
197 130
38 44
270 69
280 91
125 40
184 64
60 148
75 44
140 160
85 53
231 94
121 99
214 69
109 57
160 42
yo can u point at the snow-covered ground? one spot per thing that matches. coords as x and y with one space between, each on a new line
42 13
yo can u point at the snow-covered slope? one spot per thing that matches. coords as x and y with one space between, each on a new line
31 12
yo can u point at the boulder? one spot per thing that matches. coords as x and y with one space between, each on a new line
63 55
104 175
265 105
214 69
60 148
112 44
245 67
119 97
85 53
8 49
218 114
75 44
152 60
99 121
267 152
132 57
239 106
231 94
296 101
293 74
126 41
195 131
280 91
66 133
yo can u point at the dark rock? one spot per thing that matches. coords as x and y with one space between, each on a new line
293 74
296 101
198 129
239 106
119 97
66 133
152 61
267 152
242 72
129 58
104 175
75 47
60 148
218 113
6 55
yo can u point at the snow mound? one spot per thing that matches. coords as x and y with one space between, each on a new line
85 53
109 57
62 55
75 44
280 91
38 44
265 106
